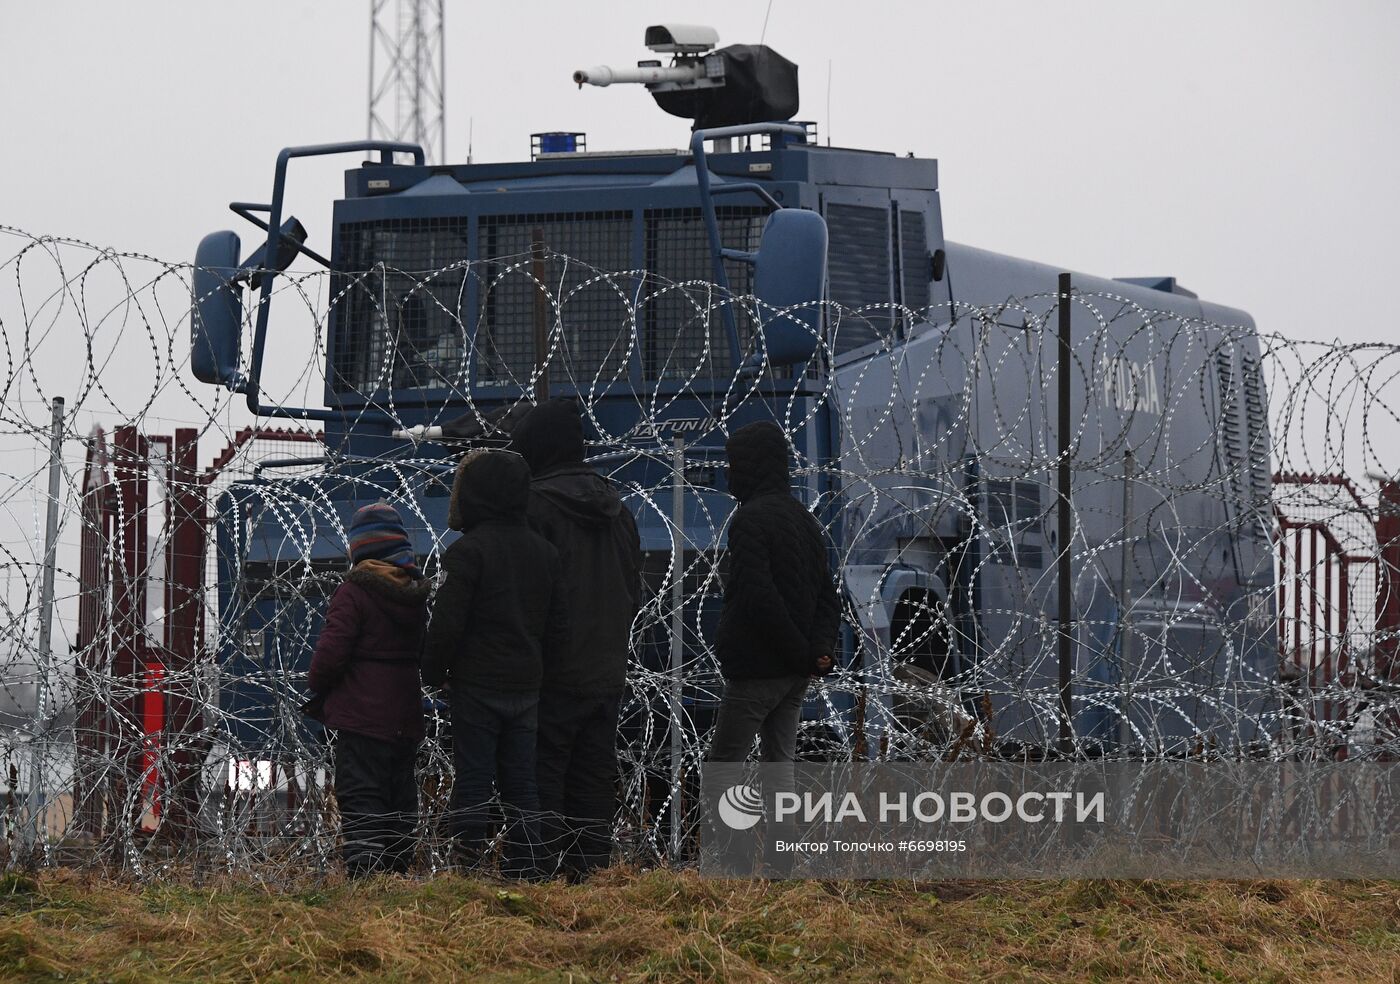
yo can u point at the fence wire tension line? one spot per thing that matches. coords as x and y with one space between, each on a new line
1066 526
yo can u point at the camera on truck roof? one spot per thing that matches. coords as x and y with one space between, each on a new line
681 39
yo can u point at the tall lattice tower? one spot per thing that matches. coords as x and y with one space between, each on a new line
406 74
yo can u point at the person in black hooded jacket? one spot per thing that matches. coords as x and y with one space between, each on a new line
582 515
781 610
499 616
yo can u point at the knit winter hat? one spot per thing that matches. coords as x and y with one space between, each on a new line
377 533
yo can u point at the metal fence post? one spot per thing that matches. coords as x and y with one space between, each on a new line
45 649
677 626
1066 585
1125 635
538 255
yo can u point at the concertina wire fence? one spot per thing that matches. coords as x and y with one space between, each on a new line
1211 502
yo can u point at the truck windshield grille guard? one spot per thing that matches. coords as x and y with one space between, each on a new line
683 334
425 305
579 285
397 297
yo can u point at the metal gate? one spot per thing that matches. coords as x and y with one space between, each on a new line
1335 608
139 628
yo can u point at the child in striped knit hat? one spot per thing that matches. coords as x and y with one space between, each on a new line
366 668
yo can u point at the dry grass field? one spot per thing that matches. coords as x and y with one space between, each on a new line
661 926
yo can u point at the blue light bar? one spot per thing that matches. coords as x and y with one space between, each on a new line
557 142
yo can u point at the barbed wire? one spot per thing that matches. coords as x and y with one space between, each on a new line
1231 558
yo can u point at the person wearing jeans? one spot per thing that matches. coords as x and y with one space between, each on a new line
777 628
769 708
499 613
781 610
493 742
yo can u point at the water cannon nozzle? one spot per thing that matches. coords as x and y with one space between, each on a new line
709 85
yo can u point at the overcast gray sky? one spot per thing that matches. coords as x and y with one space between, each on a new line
1246 147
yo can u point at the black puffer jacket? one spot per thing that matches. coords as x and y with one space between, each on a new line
582 515
781 608
503 608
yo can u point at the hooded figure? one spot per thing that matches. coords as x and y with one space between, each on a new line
365 673
583 516
758 461
499 615
494 618
781 609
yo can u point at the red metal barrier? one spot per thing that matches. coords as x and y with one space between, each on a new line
1328 620
184 624
142 620
140 616
95 633
1388 599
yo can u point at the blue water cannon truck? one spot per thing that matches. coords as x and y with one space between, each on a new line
756 273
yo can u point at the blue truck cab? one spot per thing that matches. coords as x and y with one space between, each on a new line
757 274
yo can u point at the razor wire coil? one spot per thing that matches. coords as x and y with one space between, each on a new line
1240 608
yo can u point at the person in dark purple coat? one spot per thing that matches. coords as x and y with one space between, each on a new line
366 668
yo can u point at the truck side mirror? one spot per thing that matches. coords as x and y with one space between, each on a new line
790 273
216 314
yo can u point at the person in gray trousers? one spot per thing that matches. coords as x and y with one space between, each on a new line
781 611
